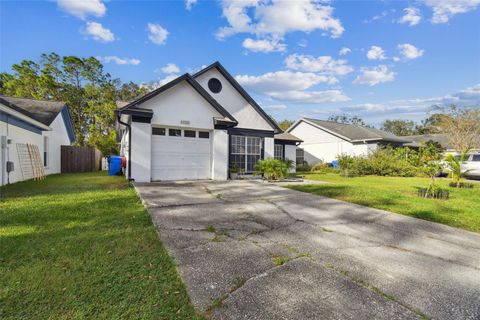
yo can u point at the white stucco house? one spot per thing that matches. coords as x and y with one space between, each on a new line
46 124
324 141
197 127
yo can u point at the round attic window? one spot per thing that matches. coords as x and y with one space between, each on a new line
214 85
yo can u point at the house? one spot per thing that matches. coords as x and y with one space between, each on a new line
441 139
326 140
197 127
46 124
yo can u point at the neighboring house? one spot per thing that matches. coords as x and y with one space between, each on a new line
416 141
196 127
46 124
326 140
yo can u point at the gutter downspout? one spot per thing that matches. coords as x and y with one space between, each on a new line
129 128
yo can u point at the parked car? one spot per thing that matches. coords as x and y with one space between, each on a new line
471 164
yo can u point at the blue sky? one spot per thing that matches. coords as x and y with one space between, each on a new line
398 57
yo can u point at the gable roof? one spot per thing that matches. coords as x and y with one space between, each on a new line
417 140
40 110
352 133
217 65
189 79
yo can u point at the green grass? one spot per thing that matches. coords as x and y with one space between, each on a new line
81 246
399 195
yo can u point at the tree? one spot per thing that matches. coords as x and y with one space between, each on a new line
455 165
461 126
87 89
399 127
285 124
355 120
129 91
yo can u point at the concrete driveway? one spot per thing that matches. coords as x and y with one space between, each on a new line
254 250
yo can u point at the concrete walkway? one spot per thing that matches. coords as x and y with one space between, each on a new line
254 250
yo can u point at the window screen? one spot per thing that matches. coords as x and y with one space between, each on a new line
189 133
158 131
174 132
245 152
299 157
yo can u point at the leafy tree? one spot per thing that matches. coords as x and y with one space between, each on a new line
130 91
455 165
285 124
355 120
399 127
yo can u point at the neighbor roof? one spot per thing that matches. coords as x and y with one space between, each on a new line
354 133
41 110
285 136
417 140
242 92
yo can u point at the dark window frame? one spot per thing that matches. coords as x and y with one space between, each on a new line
177 132
189 133
158 131
204 134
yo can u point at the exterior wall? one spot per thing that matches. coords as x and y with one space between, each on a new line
234 102
17 135
220 155
290 154
141 151
56 138
323 146
269 147
181 106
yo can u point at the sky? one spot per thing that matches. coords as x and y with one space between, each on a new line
374 59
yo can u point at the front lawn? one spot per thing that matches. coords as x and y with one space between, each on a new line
78 246
399 195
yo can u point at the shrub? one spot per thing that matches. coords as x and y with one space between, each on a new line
304 167
272 169
352 166
322 168
455 166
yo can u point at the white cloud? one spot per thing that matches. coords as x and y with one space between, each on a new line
121 61
98 32
325 96
274 107
292 86
170 68
264 45
282 81
274 19
303 43
189 4
376 53
443 10
83 8
375 75
344 51
379 16
157 34
409 51
412 16
323 64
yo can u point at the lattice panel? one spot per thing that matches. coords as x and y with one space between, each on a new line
30 161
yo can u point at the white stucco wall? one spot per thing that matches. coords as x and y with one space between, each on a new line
234 102
268 151
320 145
141 151
291 154
179 105
220 155
56 138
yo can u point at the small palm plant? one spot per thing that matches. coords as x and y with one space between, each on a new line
271 169
455 165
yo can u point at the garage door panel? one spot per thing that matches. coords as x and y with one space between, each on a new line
180 158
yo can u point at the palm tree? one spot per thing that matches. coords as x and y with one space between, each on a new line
455 166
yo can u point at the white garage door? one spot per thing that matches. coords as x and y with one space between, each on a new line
179 154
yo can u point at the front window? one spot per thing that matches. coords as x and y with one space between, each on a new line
45 151
245 152
278 152
300 157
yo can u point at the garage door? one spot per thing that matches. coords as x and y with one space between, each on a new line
179 154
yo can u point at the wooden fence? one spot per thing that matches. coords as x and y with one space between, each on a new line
80 159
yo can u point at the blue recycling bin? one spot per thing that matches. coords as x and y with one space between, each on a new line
114 165
335 164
